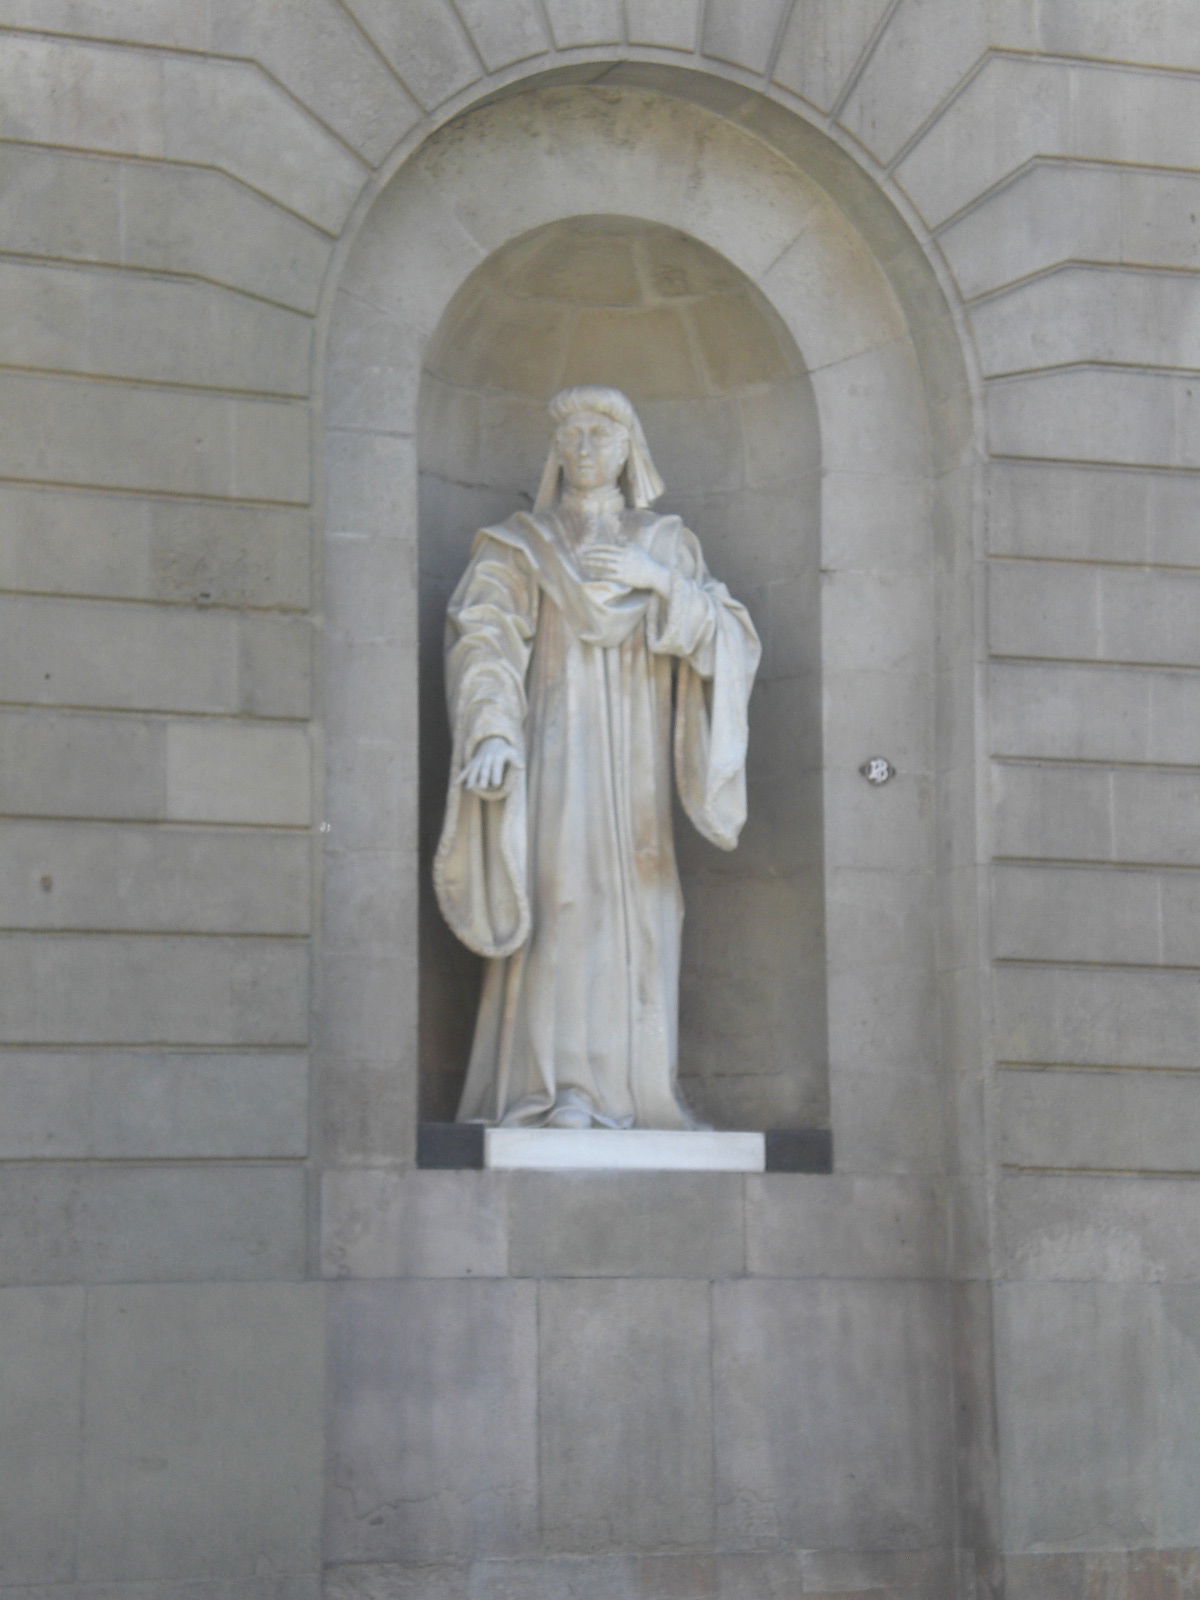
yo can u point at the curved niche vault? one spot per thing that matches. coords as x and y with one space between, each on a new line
730 417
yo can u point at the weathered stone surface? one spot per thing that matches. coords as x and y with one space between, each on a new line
584 22
98 653
1095 713
59 764
832 1416
68 875
42 1334
1096 1017
801 1226
123 436
121 547
820 48
432 1420
151 1104
670 23
1105 1229
1077 1398
742 33
112 1223
501 36
70 319
1122 1122
626 1225
202 1426
318 54
380 1223
425 43
625 1366
236 772
129 989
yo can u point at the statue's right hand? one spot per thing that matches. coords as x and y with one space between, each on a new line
485 772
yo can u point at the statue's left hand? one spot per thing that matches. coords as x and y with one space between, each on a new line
625 563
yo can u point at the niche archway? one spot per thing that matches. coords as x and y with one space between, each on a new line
829 256
731 418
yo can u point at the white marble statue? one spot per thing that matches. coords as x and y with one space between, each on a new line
586 642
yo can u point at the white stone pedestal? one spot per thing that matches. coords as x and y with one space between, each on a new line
633 1149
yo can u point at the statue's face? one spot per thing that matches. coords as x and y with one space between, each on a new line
592 449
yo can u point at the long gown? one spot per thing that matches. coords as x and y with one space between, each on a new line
567 881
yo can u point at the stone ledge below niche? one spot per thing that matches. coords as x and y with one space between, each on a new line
470 1145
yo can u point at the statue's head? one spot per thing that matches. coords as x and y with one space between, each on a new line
598 441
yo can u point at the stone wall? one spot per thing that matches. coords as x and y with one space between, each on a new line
966 1363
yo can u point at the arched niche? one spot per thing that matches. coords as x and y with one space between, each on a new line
731 418
823 254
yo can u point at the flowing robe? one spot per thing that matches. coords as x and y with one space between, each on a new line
566 882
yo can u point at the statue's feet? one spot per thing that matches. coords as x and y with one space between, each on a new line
570 1111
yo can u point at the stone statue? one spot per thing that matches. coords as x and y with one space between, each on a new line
586 642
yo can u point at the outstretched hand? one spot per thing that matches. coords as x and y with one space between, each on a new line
485 772
625 563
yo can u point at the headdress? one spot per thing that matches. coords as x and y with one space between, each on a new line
639 481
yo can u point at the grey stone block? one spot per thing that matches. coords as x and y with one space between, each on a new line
584 22
237 772
503 36
174 24
670 23
323 60
742 34
59 92
1179 1470
124 436
425 43
1077 914
1107 414
380 1223
626 1225
391 1580
923 54
184 219
42 1335
121 324
114 1223
368 1106
1096 1017
624 1415
1069 611
370 485
149 1104
1120 1121
801 1226
820 48
125 547
433 1421
203 1431
1064 813
890 1117
1108 1229
604 1577
833 1415
679 1577
299 163
1128 317
142 879
143 989
1077 1395
1094 713
58 764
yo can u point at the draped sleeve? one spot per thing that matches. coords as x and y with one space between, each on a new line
479 871
718 649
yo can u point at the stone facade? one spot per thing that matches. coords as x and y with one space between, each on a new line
259 263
